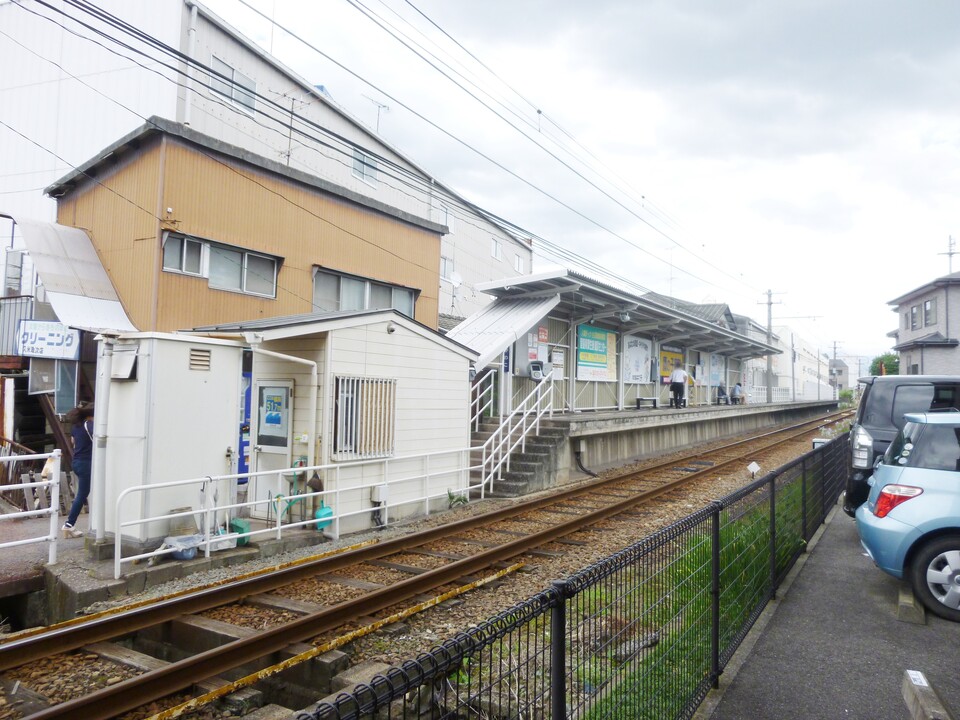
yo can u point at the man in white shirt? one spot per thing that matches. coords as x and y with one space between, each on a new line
678 382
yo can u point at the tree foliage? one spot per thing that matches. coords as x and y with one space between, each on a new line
890 363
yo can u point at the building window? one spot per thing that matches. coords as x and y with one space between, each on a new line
335 291
182 254
364 167
518 264
225 267
234 85
446 268
906 321
496 249
915 317
930 312
364 419
446 217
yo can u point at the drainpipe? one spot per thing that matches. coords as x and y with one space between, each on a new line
191 52
98 480
254 341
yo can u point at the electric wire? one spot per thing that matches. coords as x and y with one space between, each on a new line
556 251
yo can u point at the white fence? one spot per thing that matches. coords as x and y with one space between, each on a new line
380 490
52 510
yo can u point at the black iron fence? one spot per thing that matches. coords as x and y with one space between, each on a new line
644 633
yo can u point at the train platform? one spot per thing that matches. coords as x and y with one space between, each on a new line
47 593
837 643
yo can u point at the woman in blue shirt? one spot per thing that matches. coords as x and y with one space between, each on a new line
82 436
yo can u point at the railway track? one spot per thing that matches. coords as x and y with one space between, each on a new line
422 569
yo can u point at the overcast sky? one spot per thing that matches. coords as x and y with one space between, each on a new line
811 149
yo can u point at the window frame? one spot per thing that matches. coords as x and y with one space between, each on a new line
915 317
496 249
239 92
206 247
930 312
365 167
446 268
411 294
518 263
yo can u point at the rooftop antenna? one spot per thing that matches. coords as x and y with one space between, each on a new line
380 107
951 251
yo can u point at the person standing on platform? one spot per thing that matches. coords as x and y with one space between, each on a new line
678 382
82 436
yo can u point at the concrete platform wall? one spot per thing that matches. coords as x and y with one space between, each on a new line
614 439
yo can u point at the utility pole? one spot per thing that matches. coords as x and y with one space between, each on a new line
951 244
769 342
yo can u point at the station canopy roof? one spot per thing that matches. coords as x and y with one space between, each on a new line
522 302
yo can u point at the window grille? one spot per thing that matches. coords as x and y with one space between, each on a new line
199 359
364 417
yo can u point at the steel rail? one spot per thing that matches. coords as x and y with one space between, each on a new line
71 636
172 678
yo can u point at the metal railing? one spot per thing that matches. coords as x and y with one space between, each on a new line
483 397
417 482
16 457
12 311
52 510
642 634
512 433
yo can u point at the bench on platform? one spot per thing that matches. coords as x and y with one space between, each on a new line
652 400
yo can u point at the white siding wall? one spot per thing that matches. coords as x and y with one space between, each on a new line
433 387
308 348
68 114
432 414
68 121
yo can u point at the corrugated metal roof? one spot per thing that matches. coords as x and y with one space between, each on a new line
76 282
497 326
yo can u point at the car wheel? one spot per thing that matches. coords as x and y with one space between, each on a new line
935 576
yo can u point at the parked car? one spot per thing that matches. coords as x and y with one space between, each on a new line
910 524
883 402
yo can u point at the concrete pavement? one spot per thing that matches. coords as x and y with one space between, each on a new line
831 645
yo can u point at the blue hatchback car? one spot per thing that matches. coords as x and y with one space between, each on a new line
910 524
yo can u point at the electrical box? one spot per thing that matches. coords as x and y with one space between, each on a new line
378 494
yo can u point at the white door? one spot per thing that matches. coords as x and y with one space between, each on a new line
271 440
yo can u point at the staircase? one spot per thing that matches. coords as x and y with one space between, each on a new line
529 468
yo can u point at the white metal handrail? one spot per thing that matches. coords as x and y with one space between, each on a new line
335 495
512 433
482 398
53 511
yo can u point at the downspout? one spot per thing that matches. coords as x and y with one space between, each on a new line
191 50
158 256
98 486
572 383
254 341
327 428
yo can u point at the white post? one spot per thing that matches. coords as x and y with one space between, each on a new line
98 480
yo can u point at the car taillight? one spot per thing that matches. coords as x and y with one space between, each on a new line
893 495
862 447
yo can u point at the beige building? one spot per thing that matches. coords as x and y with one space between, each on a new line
192 231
